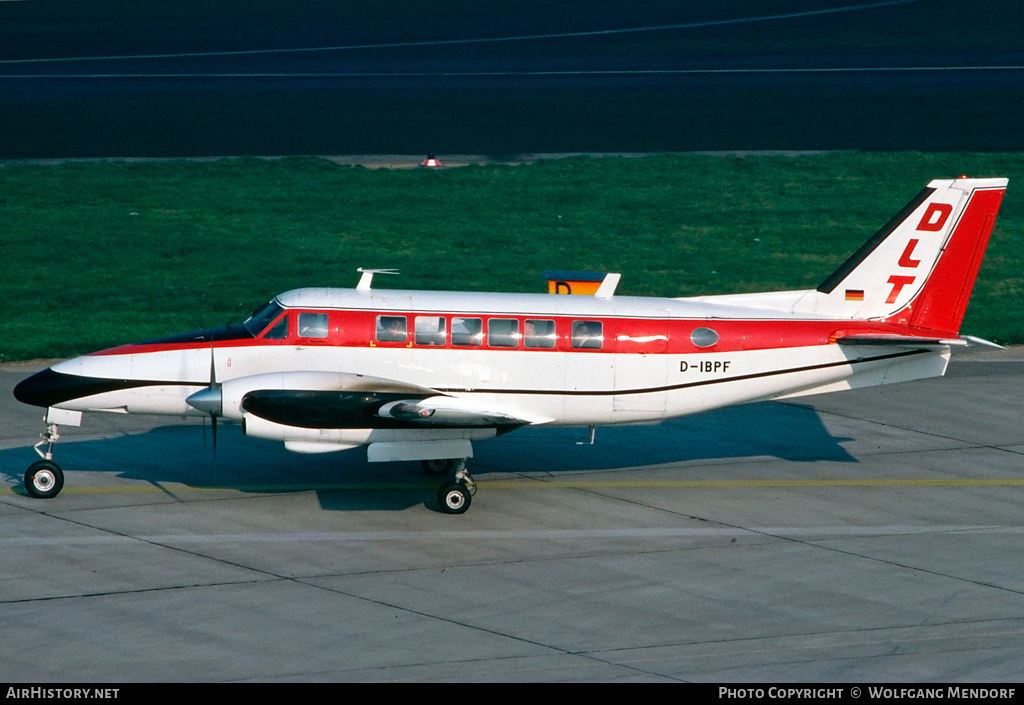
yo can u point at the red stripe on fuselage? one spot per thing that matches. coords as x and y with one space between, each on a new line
622 335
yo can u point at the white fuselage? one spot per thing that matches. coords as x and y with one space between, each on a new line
647 369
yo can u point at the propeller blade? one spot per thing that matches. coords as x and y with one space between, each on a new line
213 366
215 388
209 400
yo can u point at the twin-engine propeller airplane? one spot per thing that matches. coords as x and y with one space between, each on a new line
419 375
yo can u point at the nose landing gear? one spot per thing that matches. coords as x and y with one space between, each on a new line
44 478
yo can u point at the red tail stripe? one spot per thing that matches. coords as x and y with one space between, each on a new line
942 302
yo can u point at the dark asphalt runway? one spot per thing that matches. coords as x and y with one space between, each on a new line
81 78
867 536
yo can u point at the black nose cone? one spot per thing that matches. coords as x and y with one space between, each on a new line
49 388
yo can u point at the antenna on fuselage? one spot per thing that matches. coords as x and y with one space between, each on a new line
367 279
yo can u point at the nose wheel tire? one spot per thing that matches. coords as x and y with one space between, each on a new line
44 479
454 497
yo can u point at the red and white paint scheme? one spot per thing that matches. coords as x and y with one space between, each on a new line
420 375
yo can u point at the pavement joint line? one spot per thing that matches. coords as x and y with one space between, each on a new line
532 483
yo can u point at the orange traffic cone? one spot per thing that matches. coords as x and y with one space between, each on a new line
431 160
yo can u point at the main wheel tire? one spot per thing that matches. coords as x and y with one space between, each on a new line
44 479
438 467
454 498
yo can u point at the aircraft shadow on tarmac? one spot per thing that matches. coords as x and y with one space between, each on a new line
183 453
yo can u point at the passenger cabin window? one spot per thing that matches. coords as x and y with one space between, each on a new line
312 325
279 331
392 329
587 335
703 337
539 333
430 330
503 333
467 331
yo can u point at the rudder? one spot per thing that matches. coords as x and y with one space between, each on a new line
943 301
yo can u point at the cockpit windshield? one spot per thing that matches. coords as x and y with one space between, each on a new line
262 317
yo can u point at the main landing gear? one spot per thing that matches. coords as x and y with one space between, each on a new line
455 495
44 478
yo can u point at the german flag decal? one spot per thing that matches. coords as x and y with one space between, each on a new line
854 294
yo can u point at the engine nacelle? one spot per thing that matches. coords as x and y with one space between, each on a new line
344 438
225 398
385 444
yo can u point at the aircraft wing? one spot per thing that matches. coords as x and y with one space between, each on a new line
372 409
334 400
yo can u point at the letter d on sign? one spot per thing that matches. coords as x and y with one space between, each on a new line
935 217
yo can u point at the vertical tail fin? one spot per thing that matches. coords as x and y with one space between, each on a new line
920 268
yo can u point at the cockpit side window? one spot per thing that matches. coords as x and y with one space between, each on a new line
279 331
262 317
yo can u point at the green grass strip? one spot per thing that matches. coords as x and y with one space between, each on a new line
101 253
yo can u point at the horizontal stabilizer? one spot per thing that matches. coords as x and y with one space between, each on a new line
894 340
899 340
976 342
